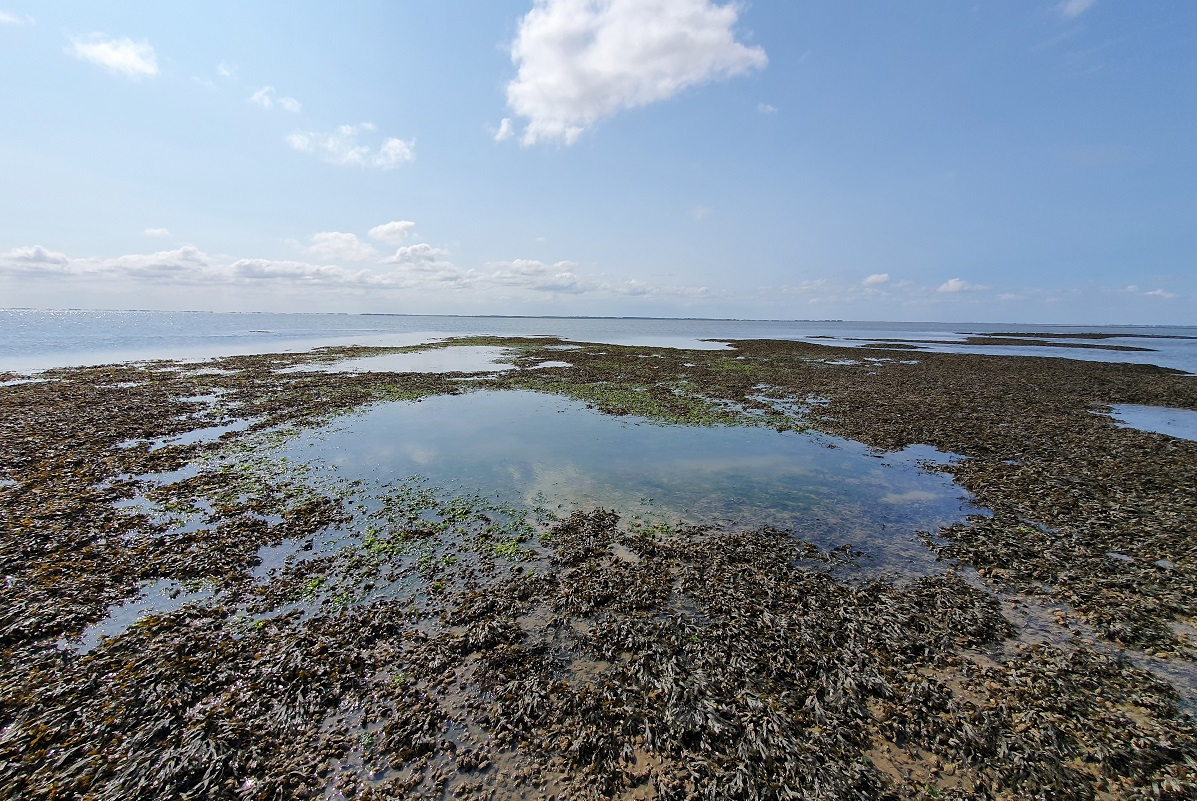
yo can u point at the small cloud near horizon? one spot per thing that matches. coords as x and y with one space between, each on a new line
959 285
876 278
159 233
1132 289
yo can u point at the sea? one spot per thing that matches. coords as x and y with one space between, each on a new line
38 339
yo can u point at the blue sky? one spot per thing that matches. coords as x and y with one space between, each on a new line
951 161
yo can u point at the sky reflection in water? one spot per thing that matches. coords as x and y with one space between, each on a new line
1179 423
530 448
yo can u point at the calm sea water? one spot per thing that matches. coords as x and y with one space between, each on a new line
33 340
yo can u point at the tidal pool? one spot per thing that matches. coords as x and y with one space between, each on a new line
154 597
542 450
1179 423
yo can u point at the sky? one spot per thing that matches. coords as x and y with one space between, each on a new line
1007 161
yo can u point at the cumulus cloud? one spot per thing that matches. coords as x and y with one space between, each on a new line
160 233
185 266
1160 293
393 232
125 57
958 285
1071 9
419 267
341 147
423 262
337 246
187 263
876 278
267 98
766 108
538 276
35 255
579 61
178 266
299 273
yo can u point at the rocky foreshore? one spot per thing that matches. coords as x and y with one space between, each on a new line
413 642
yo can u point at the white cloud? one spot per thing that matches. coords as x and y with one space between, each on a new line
506 130
393 232
1132 289
226 71
1071 9
423 265
341 147
299 273
700 213
564 278
160 233
183 265
765 108
420 267
337 246
579 61
419 256
538 276
12 19
125 57
958 285
186 263
876 278
267 98
34 255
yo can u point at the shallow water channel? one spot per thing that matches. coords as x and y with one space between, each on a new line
541 450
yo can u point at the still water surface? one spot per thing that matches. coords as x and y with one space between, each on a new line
533 449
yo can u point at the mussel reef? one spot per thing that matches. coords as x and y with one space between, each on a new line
328 638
